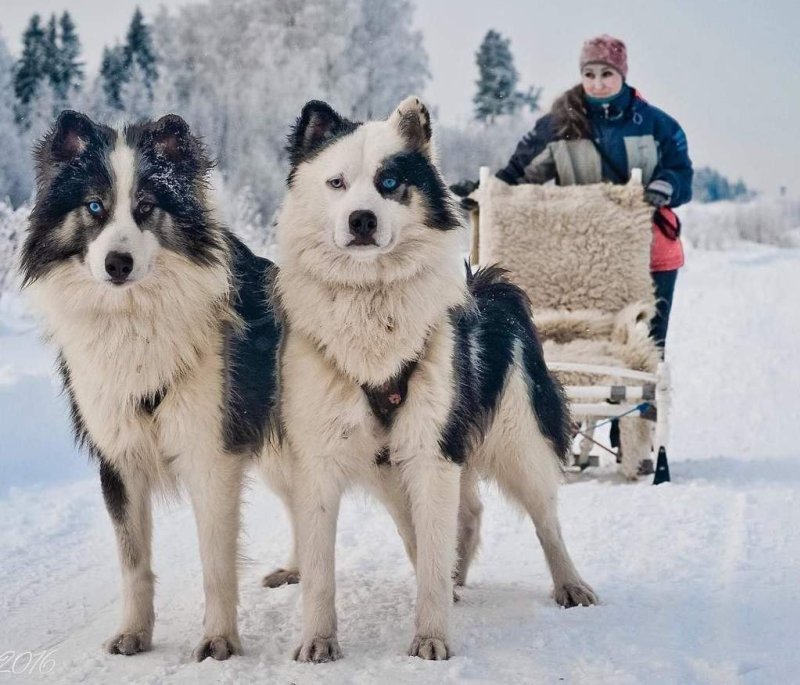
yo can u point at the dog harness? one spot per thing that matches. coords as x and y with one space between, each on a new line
385 399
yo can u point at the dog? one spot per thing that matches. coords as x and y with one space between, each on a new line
400 374
167 344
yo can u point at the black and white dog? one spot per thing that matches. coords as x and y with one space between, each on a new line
400 374
167 344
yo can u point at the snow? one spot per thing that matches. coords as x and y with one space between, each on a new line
698 578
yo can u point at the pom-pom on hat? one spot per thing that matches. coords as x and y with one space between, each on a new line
608 50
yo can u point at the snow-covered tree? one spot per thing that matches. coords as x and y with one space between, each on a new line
386 56
240 72
135 95
128 72
70 68
51 57
43 110
464 149
12 230
16 176
497 92
241 212
139 50
112 75
30 69
709 185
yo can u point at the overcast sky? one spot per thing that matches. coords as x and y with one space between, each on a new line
729 72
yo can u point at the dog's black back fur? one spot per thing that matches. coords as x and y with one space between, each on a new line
252 354
486 334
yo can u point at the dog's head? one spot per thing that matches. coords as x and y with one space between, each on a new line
365 201
111 202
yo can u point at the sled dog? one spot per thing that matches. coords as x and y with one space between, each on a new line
166 344
401 374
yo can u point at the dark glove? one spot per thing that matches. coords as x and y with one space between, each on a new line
506 178
464 187
658 193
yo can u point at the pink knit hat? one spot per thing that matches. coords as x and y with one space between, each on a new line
608 50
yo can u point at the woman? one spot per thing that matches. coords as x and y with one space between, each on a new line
598 131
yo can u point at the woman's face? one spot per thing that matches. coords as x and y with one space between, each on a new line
600 80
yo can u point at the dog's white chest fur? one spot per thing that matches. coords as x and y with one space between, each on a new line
369 333
328 411
165 348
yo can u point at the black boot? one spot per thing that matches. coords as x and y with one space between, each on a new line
662 468
613 438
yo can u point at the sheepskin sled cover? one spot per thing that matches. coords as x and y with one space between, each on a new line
570 247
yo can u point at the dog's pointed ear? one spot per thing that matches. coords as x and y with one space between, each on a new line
172 138
317 123
413 121
70 135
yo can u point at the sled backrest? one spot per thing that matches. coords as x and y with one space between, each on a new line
571 247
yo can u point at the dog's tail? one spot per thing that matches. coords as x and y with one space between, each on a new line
491 283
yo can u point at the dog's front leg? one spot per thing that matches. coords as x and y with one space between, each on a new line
127 499
433 485
214 483
317 494
276 470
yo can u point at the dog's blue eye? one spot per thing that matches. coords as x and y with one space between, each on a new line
389 183
95 207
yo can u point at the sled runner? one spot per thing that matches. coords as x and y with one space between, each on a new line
583 255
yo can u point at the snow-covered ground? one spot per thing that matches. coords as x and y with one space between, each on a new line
698 578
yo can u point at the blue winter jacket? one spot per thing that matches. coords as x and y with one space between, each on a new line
630 132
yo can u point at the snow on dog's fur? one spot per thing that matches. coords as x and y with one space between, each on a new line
400 374
166 342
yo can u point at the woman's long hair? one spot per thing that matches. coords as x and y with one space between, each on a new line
569 115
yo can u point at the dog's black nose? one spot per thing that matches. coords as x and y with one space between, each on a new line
363 224
119 266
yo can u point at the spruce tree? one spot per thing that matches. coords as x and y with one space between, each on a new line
139 50
16 174
136 60
51 63
497 81
112 75
71 68
30 69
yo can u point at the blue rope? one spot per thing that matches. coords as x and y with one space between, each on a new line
639 407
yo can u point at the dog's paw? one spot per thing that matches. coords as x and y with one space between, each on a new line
281 576
217 647
575 593
429 648
129 643
318 650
